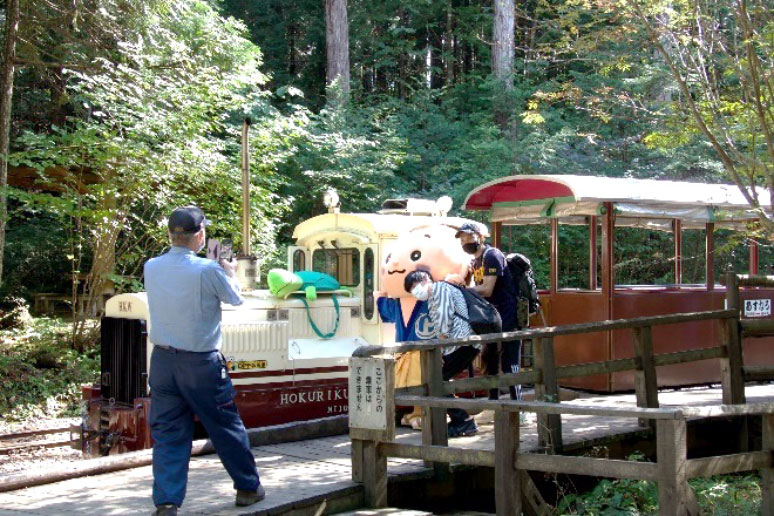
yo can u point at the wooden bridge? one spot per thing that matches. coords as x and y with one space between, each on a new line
514 490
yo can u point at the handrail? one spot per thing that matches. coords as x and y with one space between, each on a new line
550 331
756 280
540 407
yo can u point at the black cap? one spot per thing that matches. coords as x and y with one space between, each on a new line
188 219
469 228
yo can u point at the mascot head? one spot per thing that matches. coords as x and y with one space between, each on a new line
433 248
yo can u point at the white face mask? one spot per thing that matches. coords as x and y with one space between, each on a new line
421 291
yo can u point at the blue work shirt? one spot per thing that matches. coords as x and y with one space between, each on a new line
184 296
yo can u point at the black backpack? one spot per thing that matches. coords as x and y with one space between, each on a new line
523 282
483 317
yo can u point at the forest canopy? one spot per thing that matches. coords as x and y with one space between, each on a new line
124 109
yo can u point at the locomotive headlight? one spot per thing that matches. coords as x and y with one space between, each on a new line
331 198
444 204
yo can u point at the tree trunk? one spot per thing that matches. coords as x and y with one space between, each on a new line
448 43
435 47
337 43
291 35
6 94
502 34
405 62
502 56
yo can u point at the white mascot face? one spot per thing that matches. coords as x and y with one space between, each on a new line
433 249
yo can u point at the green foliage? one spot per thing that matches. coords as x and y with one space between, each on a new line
141 103
38 245
719 495
728 495
613 497
40 374
153 122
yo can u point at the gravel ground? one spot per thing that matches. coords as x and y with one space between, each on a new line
38 458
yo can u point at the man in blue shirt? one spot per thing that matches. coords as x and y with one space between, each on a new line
188 375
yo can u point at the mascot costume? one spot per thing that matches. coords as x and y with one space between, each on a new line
435 250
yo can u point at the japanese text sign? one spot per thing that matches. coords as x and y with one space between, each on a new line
371 401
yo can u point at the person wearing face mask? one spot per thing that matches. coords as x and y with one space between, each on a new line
494 283
449 313
188 374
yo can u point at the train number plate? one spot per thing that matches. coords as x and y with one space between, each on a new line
251 364
757 307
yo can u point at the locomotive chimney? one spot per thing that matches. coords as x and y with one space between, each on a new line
247 270
246 251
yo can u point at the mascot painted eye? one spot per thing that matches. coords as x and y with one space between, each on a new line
416 255
387 260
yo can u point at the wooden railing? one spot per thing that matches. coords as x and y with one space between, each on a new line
513 486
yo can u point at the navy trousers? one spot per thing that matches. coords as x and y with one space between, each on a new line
183 384
509 361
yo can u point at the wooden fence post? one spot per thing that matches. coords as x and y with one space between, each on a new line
671 450
357 460
549 426
507 480
732 366
433 418
645 382
374 475
767 474
371 421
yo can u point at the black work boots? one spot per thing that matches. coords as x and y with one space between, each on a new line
244 498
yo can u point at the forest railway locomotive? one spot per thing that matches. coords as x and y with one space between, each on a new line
281 369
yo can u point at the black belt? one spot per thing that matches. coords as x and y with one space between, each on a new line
170 349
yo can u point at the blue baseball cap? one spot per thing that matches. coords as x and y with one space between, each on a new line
188 219
469 228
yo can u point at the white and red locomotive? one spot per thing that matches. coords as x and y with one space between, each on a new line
282 371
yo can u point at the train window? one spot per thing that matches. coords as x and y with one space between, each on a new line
573 268
534 242
342 264
643 257
732 252
369 274
694 258
299 260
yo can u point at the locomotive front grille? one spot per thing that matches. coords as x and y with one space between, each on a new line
123 368
253 337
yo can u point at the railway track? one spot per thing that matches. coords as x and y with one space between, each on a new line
33 439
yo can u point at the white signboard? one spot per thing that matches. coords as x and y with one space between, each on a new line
371 402
757 307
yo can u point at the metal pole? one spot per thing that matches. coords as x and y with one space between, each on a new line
592 253
677 230
554 280
710 255
246 251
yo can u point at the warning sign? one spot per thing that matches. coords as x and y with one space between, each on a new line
757 307
371 402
